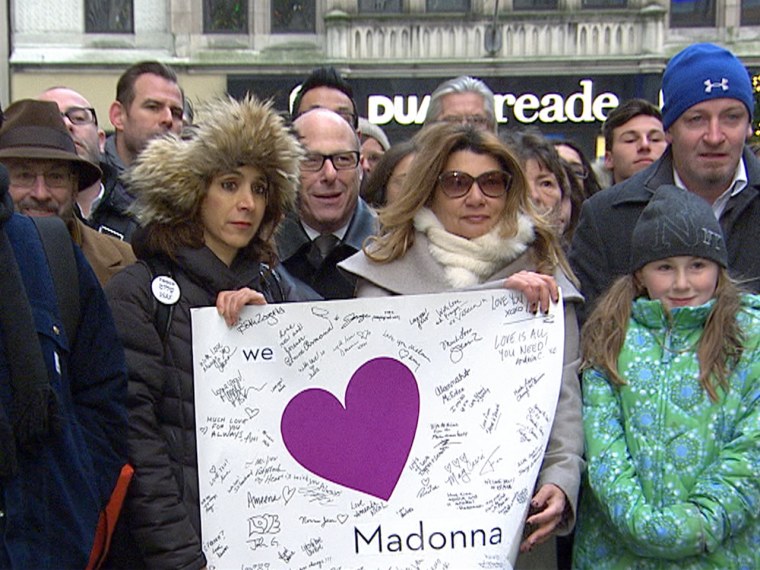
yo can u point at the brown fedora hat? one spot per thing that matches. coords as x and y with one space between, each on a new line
35 129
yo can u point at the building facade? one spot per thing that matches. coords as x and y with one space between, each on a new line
557 64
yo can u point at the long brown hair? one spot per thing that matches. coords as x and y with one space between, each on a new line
719 349
435 144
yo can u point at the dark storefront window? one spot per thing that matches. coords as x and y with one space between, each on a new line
535 4
225 16
108 17
750 12
605 3
692 13
448 5
293 17
380 6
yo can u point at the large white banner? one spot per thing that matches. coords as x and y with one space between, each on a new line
383 433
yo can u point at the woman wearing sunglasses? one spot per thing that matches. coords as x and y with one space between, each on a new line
465 220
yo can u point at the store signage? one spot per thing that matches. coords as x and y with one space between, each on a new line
580 106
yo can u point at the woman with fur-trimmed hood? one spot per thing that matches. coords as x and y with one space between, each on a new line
209 202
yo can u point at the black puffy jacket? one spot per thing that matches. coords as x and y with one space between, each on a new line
162 512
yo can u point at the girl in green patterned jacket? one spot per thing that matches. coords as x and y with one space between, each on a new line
671 403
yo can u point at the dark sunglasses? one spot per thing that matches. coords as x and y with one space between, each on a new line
493 184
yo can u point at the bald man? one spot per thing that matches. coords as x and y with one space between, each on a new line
332 220
89 138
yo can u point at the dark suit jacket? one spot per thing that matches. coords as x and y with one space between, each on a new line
601 247
330 282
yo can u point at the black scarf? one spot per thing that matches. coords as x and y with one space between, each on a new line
34 413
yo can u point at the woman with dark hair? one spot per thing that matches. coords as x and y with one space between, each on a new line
553 189
209 202
465 220
386 181
571 153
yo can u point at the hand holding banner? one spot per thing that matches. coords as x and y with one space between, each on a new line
406 432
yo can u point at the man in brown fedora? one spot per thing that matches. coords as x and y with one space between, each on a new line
45 175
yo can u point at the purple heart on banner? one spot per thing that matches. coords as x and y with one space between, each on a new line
364 445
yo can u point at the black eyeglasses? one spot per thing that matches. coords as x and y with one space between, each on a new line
81 115
313 161
493 184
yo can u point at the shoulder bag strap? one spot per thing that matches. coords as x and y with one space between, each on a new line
59 250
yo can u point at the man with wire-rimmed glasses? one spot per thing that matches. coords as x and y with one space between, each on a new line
464 100
331 221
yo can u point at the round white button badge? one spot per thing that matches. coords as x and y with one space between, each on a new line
165 290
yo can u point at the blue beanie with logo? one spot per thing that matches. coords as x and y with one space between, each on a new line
699 73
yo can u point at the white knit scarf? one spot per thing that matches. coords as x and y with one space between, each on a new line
467 262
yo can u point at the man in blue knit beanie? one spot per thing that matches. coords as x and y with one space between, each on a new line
707 116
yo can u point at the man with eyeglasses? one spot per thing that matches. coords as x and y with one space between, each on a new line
463 100
45 175
331 221
82 121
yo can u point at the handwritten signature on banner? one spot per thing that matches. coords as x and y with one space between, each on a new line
397 433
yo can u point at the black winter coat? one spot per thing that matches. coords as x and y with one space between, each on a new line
162 511
112 215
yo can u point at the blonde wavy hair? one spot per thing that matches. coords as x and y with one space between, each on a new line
719 349
435 144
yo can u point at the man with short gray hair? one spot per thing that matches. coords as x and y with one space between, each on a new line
463 99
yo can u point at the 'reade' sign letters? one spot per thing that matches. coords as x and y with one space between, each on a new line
404 432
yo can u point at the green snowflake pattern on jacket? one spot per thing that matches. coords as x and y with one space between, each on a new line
673 478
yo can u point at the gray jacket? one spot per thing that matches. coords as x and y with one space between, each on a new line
601 248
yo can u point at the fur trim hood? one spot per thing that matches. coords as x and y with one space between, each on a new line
171 175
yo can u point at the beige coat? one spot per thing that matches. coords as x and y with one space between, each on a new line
418 273
107 255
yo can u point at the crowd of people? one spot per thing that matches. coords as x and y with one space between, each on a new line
654 452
